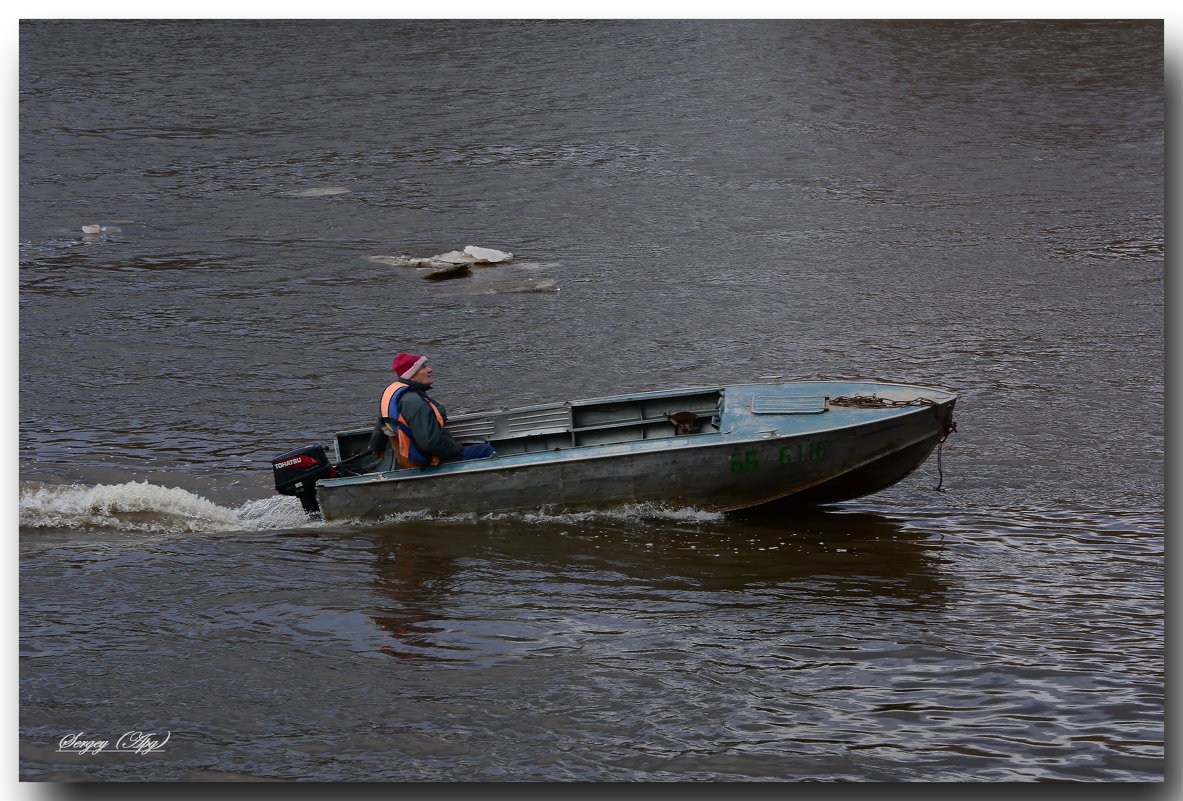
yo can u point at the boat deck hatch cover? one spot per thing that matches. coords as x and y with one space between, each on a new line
788 404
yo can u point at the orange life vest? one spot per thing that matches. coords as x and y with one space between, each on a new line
406 453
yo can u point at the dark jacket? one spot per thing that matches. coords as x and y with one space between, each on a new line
430 438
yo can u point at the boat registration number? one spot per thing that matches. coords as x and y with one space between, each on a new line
749 461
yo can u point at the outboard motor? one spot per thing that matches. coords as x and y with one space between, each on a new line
297 472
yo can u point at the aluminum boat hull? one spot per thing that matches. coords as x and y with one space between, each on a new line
748 446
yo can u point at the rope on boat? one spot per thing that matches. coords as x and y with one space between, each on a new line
948 426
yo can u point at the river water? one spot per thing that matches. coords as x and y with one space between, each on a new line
975 205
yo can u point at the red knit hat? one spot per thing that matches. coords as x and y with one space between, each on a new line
407 364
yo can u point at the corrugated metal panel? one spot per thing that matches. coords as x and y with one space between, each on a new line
788 404
481 427
539 421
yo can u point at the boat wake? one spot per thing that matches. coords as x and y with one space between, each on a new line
628 513
140 507
144 507
632 514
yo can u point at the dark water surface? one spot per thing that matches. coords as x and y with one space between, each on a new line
971 205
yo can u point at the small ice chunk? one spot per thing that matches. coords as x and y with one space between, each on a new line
429 262
455 257
526 285
91 229
393 261
487 254
318 192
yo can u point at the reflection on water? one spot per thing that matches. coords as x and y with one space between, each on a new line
660 645
412 579
861 556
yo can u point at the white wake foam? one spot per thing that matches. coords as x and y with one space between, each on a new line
633 514
628 513
144 507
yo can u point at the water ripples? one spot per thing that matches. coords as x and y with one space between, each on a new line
895 646
932 202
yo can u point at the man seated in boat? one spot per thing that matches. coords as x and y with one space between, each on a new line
415 423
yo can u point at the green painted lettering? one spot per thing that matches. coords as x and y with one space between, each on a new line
803 452
744 462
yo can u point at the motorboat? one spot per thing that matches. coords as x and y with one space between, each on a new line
717 448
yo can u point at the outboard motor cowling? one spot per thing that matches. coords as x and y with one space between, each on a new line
297 472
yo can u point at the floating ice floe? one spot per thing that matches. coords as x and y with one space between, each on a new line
487 254
99 230
450 261
524 285
318 192
455 257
